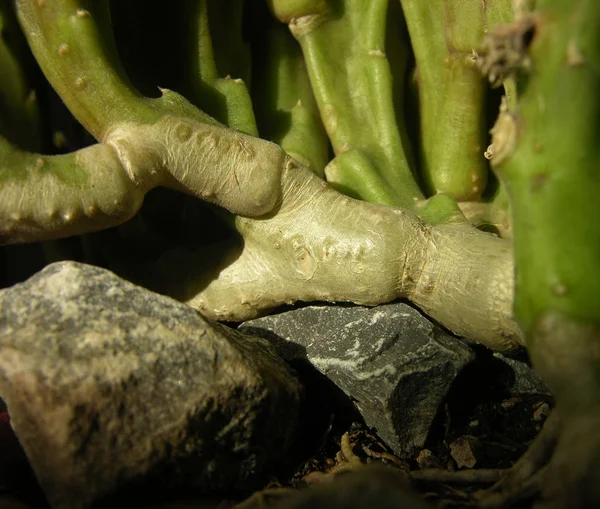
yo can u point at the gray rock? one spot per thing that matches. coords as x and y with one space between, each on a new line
110 385
394 363
525 381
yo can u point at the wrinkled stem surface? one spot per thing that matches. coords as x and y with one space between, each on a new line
322 245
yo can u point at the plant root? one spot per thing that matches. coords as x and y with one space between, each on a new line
465 477
527 478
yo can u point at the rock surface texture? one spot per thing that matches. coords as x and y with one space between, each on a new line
108 384
393 362
524 379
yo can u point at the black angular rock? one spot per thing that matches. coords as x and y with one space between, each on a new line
525 381
109 384
393 362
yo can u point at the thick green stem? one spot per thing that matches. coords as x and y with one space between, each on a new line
344 46
549 159
73 44
288 10
452 92
223 65
44 197
236 171
75 49
163 141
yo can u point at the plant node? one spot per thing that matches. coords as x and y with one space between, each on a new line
504 51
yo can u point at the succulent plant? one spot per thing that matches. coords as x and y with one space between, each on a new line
347 156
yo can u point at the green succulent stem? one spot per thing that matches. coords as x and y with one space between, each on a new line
452 92
441 209
344 46
549 162
75 49
19 112
75 197
164 141
223 65
302 240
287 10
285 106
74 45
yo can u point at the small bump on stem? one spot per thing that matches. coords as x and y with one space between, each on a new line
538 180
574 56
377 53
82 14
79 83
63 49
69 216
560 290
183 132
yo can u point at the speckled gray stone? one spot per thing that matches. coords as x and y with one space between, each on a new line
109 384
393 362
525 380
